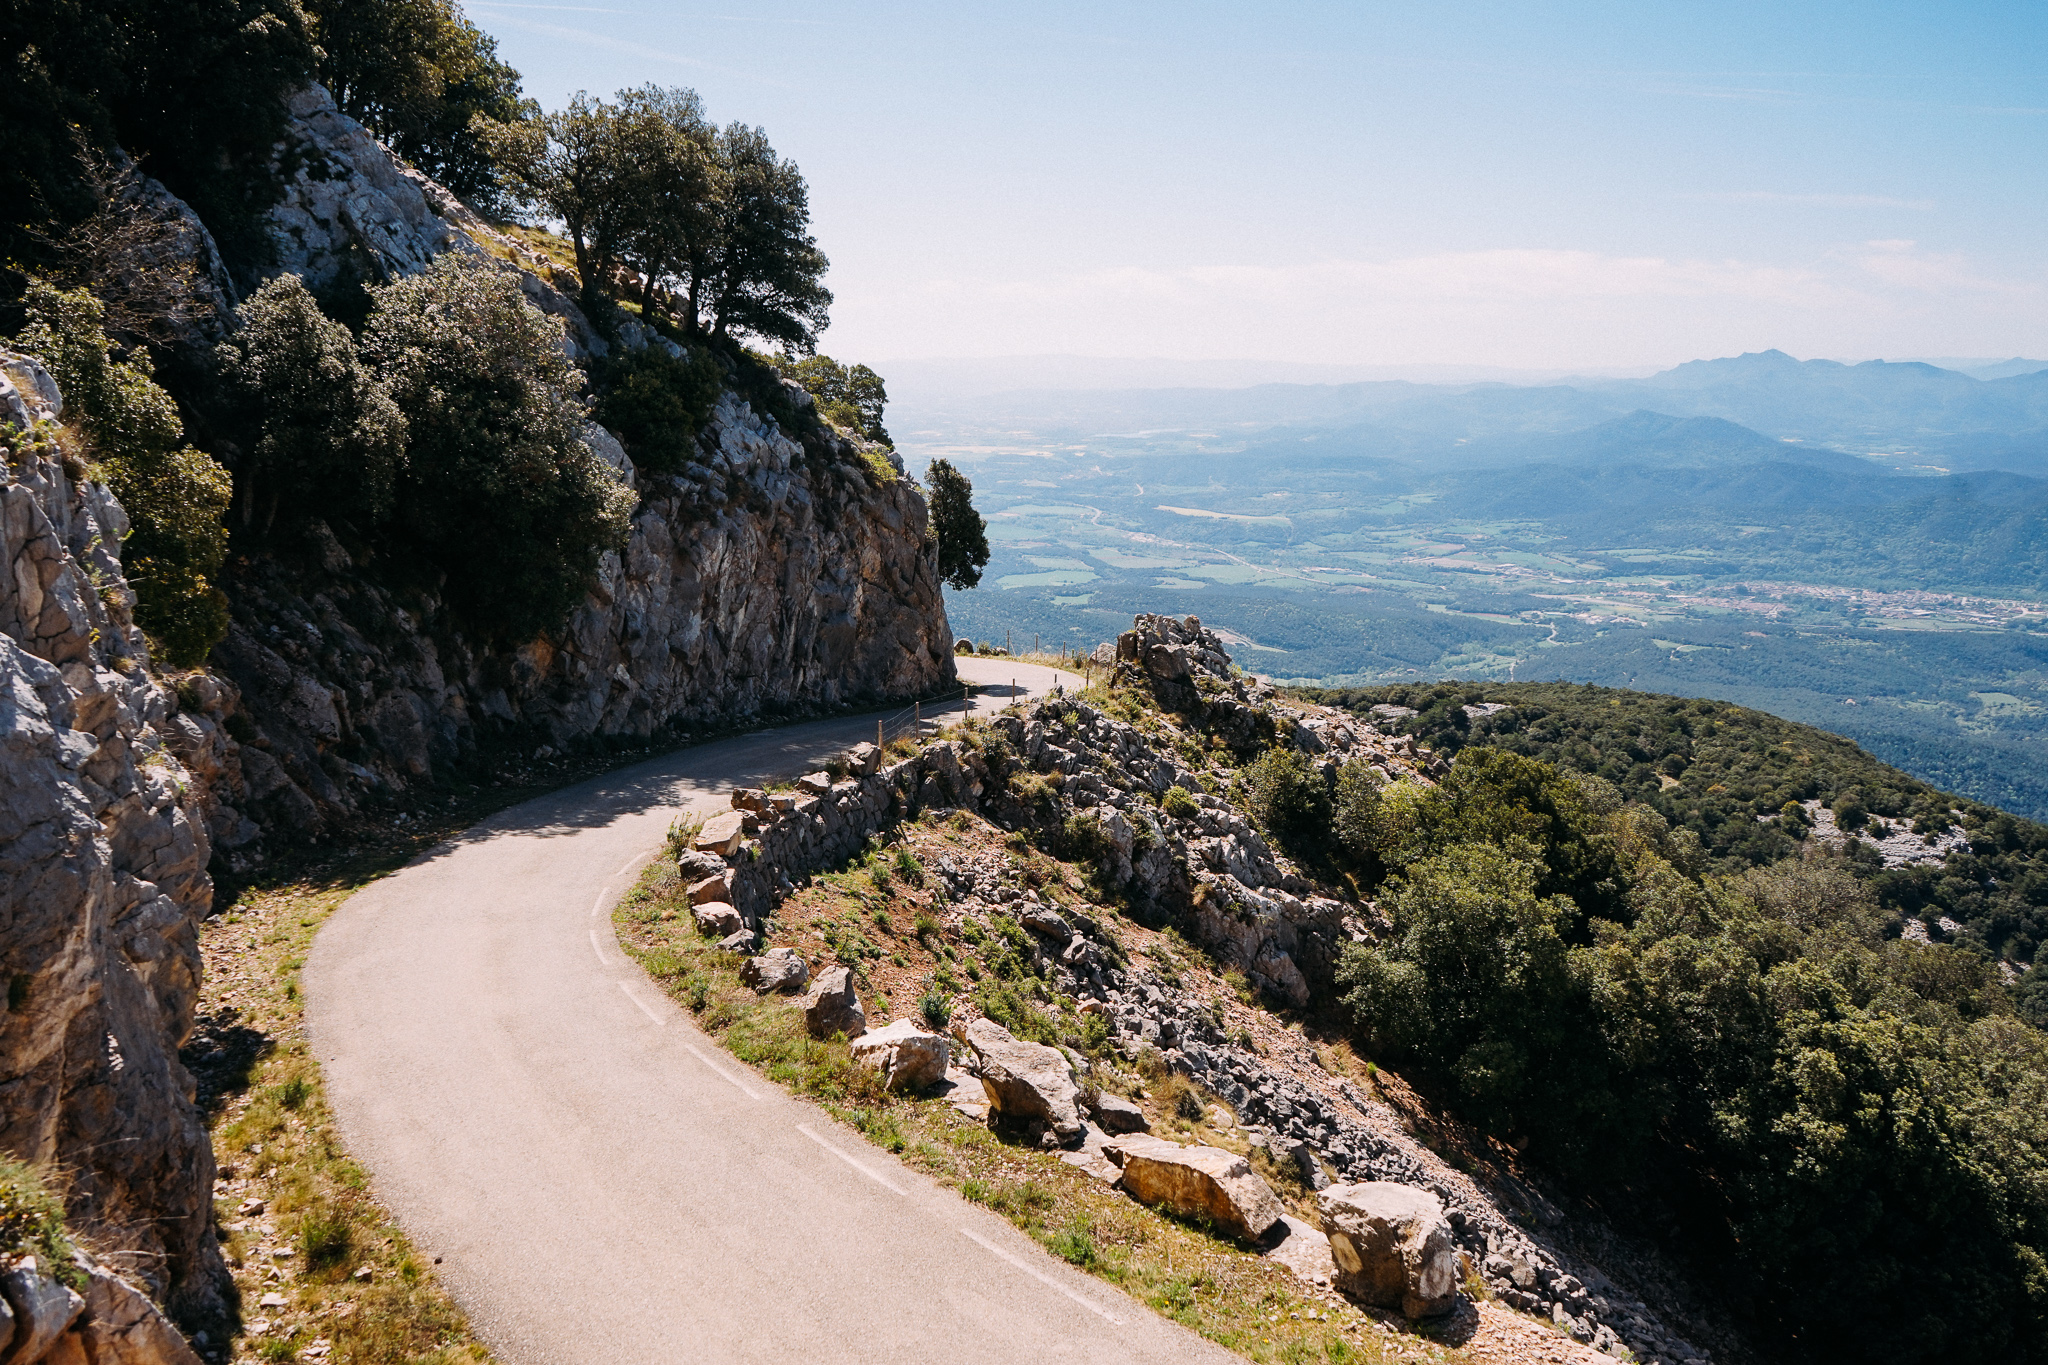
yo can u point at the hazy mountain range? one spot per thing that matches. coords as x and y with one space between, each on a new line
1863 547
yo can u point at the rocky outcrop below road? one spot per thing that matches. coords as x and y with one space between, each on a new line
103 853
1195 862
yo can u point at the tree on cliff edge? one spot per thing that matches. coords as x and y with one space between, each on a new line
961 534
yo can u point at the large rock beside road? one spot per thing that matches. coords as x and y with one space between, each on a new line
778 969
717 919
909 1057
1117 1114
1392 1246
721 834
1026 1082
834 1007
1197 1182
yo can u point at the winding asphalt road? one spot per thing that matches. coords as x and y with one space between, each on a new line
598 1180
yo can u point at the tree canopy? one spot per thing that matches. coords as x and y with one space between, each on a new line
174 495
960 533
418 74
851 398
711 218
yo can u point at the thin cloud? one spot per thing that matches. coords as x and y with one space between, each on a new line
570 9
1829 201
641 50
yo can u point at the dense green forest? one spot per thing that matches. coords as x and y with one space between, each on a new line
1726 773
1842 1130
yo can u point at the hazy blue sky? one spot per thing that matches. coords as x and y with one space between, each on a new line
1524 185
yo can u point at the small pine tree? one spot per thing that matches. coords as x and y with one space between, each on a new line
961 534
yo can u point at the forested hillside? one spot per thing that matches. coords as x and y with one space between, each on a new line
1743 783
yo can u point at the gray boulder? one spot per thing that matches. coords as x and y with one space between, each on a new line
1392 1245
833 1006
693 866
778 969
44 1309
909 1057
1117 1114
1026 1082
717 919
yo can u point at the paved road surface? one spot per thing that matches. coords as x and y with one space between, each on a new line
601 1182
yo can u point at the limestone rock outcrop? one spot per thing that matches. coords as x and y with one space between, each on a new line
777 572
1392 1245
103 855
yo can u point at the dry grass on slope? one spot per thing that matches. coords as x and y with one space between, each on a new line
1239 1300
323 1271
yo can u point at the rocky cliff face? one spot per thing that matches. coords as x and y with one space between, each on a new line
772 574
103 854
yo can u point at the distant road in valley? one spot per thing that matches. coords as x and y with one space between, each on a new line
598 1180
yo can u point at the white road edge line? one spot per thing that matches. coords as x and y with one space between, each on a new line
875 1176
644 1007
627 866
1037 1274
597 948
597 906
724 1075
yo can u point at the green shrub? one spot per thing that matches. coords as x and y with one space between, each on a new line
656 403
1180 803
175 496
325 1240
500 492
935 1007
1288 798
326 439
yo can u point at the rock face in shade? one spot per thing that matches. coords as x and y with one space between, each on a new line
103 853
773 573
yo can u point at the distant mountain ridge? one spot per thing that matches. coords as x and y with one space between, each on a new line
1909 411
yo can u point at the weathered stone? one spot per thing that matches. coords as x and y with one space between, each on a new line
709 889
693 866
1117 1114
1026 1082
864 759
909 1057
717 919
778 969
1203 1182
105 837
816 784
44 1309
738 941
122 1327
1303 1250
1393 1247
1045 922
721 834
833 1006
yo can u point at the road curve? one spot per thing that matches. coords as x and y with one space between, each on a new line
598 1180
